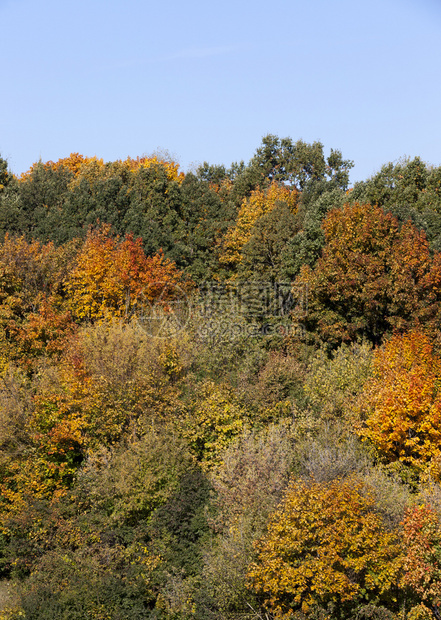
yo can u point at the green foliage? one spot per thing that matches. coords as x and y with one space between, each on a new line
248 485
333 384
264 254
409 189
109 582
207 213
179 527
129 483
37 201
299 163
94 544
305 246
5 176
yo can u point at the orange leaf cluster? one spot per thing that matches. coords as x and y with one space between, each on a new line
402 402
422 563
74 162
114 277
373 276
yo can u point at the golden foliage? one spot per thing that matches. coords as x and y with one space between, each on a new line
325 544
93 167
402 403
260 202
114 278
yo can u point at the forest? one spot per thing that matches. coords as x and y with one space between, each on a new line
220 389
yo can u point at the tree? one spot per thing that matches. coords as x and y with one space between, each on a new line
264 255
299 163
248 485
402 405
5 176
373 276
260 203
422 562
40 196
207 212
58 201
88 551
33 321
114 277
213 422
409 189
325 547
334 385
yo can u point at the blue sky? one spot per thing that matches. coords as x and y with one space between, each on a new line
206 81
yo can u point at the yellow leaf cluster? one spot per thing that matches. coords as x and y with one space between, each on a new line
261 202
324 544
171 167
213 422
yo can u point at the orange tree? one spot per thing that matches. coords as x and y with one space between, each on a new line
114 277
373 276
402 404
33 321
422 563
325 547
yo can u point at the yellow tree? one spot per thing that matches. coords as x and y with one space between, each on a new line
325 547
213 422
261 202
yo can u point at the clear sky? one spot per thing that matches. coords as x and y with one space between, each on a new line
206 81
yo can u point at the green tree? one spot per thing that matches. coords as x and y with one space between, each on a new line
264 254
299 163
5 175
409 189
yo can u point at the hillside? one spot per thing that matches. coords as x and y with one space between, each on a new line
219 390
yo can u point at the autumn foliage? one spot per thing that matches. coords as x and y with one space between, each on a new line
422 563
373 276
219 453
402 403
114 277
325 546
79 164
